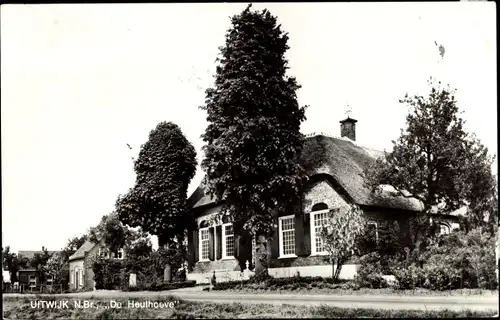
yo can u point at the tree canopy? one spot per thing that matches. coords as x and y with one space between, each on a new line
73 245
435 160
164 168
13 263
253 138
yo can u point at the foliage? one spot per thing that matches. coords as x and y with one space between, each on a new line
388 245
73 245
116 235
107 273
140 248
56 266
164 168
456 260
253 138
39 263
340 235
369 274
409 277
160 286
13 263
435 160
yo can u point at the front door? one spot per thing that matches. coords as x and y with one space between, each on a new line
77 279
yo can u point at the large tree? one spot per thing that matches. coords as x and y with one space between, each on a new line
435 160
114 233
253 138
164 168
13 263
39 263
56 267
73 245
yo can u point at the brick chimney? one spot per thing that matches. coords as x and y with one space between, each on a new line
348 128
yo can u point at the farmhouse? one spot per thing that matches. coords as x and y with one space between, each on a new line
81 276
335 168
28 277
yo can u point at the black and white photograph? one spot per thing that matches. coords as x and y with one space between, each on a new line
249 160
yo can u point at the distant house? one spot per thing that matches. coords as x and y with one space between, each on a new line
81 276
335 168
28 276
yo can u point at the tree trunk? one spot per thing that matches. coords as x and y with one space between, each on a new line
336 270
261 256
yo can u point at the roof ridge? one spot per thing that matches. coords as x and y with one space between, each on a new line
314 134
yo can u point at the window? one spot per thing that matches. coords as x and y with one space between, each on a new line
103 253
318 220
204 245
50 279
119 254
72 277
287 236
444 229
32 280
227 241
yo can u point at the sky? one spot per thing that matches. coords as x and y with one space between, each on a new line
81 81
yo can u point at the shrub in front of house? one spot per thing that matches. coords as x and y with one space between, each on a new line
370 272
453 261
107 273
161 286
290 283
410 277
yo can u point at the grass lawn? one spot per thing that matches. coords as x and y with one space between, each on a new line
20 308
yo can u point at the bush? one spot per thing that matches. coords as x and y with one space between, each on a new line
291 283
454 261
108 273
160 286
369 274
409 278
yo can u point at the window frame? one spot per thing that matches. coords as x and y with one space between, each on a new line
122 252
200 242
446 226
30 281
314 252
103 253
280 236
224 241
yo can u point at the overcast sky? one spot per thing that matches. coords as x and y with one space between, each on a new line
79 82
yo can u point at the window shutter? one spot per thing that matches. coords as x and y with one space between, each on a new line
307 234
236 246
220 238
196 242
299 234
211 247
275 244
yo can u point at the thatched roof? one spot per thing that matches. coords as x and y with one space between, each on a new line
344 161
